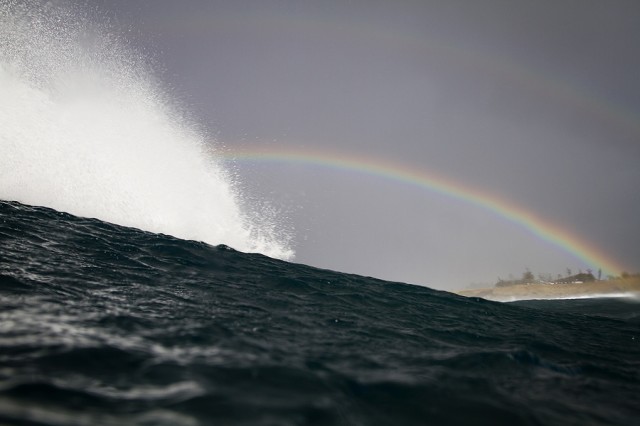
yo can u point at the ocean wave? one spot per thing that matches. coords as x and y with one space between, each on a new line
102 324
87 128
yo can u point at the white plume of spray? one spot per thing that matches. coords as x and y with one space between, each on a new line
85 128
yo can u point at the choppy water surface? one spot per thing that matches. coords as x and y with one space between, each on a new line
103 324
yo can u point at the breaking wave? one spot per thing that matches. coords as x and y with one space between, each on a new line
86 128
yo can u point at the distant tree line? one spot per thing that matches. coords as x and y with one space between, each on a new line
529 278
568 278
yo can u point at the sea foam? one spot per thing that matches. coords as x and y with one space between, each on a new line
86 128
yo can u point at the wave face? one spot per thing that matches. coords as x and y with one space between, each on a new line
107 325
85 128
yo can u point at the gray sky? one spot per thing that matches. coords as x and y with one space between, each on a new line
537 102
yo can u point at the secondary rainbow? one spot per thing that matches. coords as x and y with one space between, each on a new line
541 228
535 78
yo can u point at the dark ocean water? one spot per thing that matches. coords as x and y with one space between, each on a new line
106 325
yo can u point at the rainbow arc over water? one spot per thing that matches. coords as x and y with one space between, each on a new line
542 228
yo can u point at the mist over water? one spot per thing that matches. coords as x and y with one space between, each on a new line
86 128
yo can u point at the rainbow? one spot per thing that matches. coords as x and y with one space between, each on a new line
541 228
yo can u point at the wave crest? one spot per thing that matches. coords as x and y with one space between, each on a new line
86 128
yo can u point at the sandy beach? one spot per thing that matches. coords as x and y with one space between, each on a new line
622 287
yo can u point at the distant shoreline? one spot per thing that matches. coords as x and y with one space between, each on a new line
621 287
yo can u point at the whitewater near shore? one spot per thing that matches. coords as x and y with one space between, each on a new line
629 287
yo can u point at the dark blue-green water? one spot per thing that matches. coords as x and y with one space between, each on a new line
107 325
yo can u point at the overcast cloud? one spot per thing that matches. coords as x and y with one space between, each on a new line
537 102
